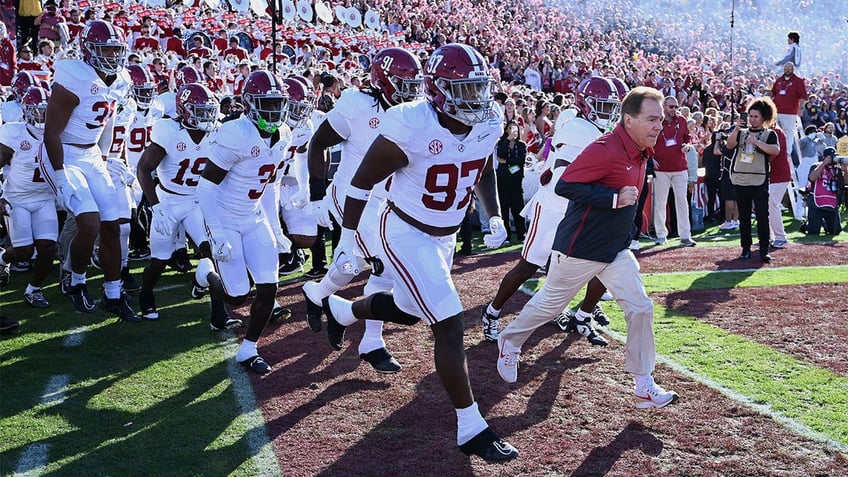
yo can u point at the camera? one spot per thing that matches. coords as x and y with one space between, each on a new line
841 160
744 118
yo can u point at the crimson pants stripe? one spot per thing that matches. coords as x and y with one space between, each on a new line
534 229
45 173
403 272
215 262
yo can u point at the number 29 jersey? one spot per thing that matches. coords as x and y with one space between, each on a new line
435 187
96 100
180 169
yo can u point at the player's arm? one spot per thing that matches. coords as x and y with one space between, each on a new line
487 189
6 154
382 159
149 161
325 137
59 108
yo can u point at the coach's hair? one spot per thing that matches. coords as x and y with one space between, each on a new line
766 108
632 104
794 36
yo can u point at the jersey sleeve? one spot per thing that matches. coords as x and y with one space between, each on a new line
161 132
397 127
7 135
73 78
222 145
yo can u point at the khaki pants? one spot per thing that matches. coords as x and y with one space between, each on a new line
567 276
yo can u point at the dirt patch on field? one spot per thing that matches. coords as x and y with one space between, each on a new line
570 413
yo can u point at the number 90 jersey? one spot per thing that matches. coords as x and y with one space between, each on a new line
96 100
435 187
180 169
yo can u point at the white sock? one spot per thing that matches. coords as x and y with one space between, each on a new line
333 281
125 244
247 350
112 289
77 278
3 262
345 314
373 338
492 311
643 381
30 289
582 315
469 423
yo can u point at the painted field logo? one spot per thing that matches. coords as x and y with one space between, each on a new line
373 123
435 146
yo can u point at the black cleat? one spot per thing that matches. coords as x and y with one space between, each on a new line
147 303
197 291
225 323
335 330
490 447
381 360
139 254
256 364
82 302
316 273
120 306
179 261
64 281
280 313
585 328
313 310
8 325
599 316
128 283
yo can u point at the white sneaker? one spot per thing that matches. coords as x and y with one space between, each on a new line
507 360
654 396
634 245
204 267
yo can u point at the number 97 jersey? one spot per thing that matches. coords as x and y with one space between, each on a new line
435 187
184 160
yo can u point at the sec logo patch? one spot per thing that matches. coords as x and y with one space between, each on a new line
254 151
181 146
435 146
25 146
374 123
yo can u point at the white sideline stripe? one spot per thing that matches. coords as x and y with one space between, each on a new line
168 287
792 424
32 460
35 456
75 337
258 443
788 422
740 270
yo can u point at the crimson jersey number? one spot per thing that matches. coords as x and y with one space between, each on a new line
36 175
267 174
444 179
104 110
139 137
196 170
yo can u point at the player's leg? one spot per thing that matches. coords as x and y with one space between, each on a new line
264 272
228 282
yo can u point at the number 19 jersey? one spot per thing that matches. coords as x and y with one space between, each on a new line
180 169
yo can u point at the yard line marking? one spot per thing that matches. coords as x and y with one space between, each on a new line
54 392
35 456
75 337
168 287
32 460
257 435
792 424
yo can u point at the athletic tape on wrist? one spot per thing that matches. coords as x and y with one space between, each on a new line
357 193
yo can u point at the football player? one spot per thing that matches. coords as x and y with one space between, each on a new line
27 200
354 121
12 110
83 99
178 151
436 151
244 155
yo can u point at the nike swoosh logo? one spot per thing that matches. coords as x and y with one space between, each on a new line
629 167
483 136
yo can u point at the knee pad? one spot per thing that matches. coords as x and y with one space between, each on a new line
383 306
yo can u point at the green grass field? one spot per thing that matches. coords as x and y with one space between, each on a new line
84 395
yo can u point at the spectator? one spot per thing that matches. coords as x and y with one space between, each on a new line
752 146
712 172
793 52
827 180
48 23
672 172
511 154
235 49
199 48
780 176
27 12
8 58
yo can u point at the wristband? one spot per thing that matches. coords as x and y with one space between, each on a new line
317 189
354 192
347 235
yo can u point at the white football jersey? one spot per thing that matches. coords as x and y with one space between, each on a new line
97 101
184 160
11 112
24 182
435 187
251 164
112 142
356 117
169 103
139 129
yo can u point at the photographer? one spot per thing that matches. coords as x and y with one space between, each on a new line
827 179
749 172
